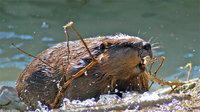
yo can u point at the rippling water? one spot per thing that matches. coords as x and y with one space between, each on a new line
34 25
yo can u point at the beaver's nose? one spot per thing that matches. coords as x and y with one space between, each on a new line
147 46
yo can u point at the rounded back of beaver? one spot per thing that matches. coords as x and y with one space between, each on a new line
119 67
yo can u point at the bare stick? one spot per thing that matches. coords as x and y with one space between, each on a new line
68 49
186 66
57 70
163 59
173 89
156 59
162 82
147 60
70 24
79 73
150 73
151 67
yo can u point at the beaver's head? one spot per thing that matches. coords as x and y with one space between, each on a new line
124 58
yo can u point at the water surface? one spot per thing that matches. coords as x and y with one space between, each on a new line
34 25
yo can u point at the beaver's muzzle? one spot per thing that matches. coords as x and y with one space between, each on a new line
146 50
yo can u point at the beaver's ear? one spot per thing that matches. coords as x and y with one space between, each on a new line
137 44
102 47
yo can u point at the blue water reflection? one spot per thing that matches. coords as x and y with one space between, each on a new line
17 45
44 25
1 51
189 55
4 60
11 27
47 39
8 83
16 64
184 73
9 35
18 61
158 53
50 45
18 56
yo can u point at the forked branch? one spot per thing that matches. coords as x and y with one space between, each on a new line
148 60
70 25
172 84
57 100
79 73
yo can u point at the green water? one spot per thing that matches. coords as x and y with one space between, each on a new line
34 25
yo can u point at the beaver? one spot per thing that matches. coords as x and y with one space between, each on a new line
120 67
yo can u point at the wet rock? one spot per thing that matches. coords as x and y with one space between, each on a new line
186 98
9 99
190 87
136 103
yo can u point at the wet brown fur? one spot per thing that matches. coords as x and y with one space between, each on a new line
117 68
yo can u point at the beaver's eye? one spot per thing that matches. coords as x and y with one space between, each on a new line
147 46
102 47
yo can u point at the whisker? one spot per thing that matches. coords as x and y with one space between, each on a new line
156 47
154 40
151 38
153 44
138 33
143 34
